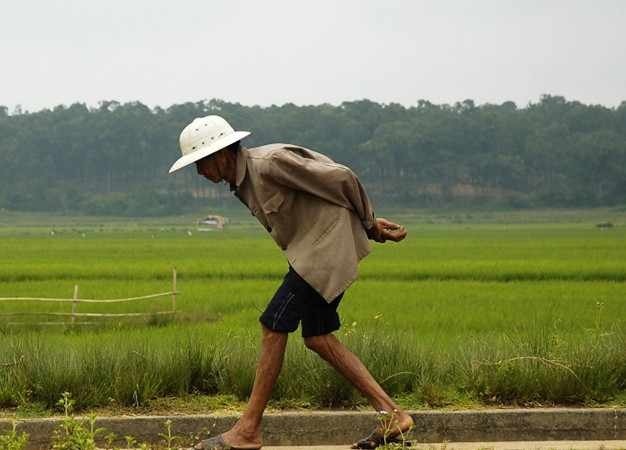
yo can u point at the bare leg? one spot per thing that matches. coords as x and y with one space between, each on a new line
247 431
351 367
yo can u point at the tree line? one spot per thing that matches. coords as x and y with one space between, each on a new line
113 158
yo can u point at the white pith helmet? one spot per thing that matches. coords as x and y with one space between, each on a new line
203 137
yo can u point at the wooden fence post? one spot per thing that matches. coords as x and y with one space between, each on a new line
74 304
173 288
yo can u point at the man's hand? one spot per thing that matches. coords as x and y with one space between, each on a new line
385 230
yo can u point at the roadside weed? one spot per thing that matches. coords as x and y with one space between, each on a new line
12 440
74 434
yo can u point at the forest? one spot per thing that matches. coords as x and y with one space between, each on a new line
113 158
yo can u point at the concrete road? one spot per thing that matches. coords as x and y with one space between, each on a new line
533 445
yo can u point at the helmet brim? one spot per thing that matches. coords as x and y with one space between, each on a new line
208 149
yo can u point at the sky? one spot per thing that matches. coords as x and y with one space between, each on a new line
310 52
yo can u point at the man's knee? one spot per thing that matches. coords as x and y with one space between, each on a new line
318 343
271 335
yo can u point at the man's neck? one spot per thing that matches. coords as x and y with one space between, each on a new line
232 178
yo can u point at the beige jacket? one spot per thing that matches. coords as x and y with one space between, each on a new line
316 210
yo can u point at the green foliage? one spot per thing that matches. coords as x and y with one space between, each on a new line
74 434
13 440
114 159
170 441
503 312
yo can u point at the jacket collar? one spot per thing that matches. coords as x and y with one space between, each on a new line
240 169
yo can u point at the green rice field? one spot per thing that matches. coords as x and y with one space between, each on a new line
472 309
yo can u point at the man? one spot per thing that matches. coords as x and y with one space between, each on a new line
319 214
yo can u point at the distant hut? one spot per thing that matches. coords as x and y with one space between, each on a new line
212 222
604 225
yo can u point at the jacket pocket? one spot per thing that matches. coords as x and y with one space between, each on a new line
326 231
273 204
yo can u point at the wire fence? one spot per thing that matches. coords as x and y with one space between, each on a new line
76 300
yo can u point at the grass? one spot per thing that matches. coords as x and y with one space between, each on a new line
471 310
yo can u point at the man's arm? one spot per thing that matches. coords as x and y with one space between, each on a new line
330 181
335 183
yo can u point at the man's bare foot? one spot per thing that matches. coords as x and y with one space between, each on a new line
236 437
395 424
393 428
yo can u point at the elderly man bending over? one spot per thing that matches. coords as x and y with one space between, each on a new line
319 214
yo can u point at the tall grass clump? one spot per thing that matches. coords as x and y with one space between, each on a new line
537 367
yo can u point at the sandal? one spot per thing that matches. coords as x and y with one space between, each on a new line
375 440
217 443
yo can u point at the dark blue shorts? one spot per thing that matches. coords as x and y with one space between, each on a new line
296 301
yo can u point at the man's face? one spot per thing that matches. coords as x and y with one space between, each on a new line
211 167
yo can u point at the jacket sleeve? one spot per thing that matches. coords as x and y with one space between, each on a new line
328 180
